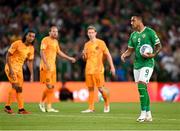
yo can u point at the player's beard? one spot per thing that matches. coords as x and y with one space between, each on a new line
29 42
55 36
91 37
135 27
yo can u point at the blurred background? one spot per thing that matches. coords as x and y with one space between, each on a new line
112 20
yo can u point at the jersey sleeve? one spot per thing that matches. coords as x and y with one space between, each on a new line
154 38
57 48
130 42
44 43
85 47
104 48
31 53
13 47
85 50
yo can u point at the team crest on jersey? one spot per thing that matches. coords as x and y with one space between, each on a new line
134 37
97 47
47 80
143 36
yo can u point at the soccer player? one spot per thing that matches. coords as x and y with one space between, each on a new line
94 52
18 52
49 50
143 63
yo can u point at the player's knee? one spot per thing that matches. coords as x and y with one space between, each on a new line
50 90
50 86
90 88
100 89
141 82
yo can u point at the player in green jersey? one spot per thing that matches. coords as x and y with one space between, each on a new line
144 61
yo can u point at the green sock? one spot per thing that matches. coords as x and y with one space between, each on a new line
143 96
148 101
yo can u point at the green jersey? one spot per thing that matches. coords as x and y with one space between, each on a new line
138 39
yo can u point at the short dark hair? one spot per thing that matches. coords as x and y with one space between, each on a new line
26 33
139 17
52 26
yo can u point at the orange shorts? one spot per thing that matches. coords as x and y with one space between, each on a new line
95 80
18 77
48 77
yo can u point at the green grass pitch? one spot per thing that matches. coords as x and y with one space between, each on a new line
166 116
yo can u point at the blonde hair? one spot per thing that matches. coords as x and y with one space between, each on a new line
91 27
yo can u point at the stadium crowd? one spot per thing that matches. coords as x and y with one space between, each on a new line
112 21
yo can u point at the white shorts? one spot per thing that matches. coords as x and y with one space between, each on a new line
144 74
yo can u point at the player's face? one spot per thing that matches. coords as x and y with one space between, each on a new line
91 34
54 33
134 23
30 37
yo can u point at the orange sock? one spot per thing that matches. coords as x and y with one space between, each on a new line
44 96
105 95
10 96
91 98
50 96
20 100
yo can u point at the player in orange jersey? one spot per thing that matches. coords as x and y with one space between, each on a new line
94 52
49 50
18 52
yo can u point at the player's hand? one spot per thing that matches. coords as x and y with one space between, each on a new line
11 74
148 55
47 67
113 71
123 57
31 78
84 56
73 60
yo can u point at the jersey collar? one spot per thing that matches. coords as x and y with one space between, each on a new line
142 30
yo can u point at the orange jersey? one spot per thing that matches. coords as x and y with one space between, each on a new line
19 53
94 56
51 48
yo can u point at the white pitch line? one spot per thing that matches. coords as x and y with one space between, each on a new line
99 116
92 115
84 116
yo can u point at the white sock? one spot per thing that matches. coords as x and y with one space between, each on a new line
143 112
